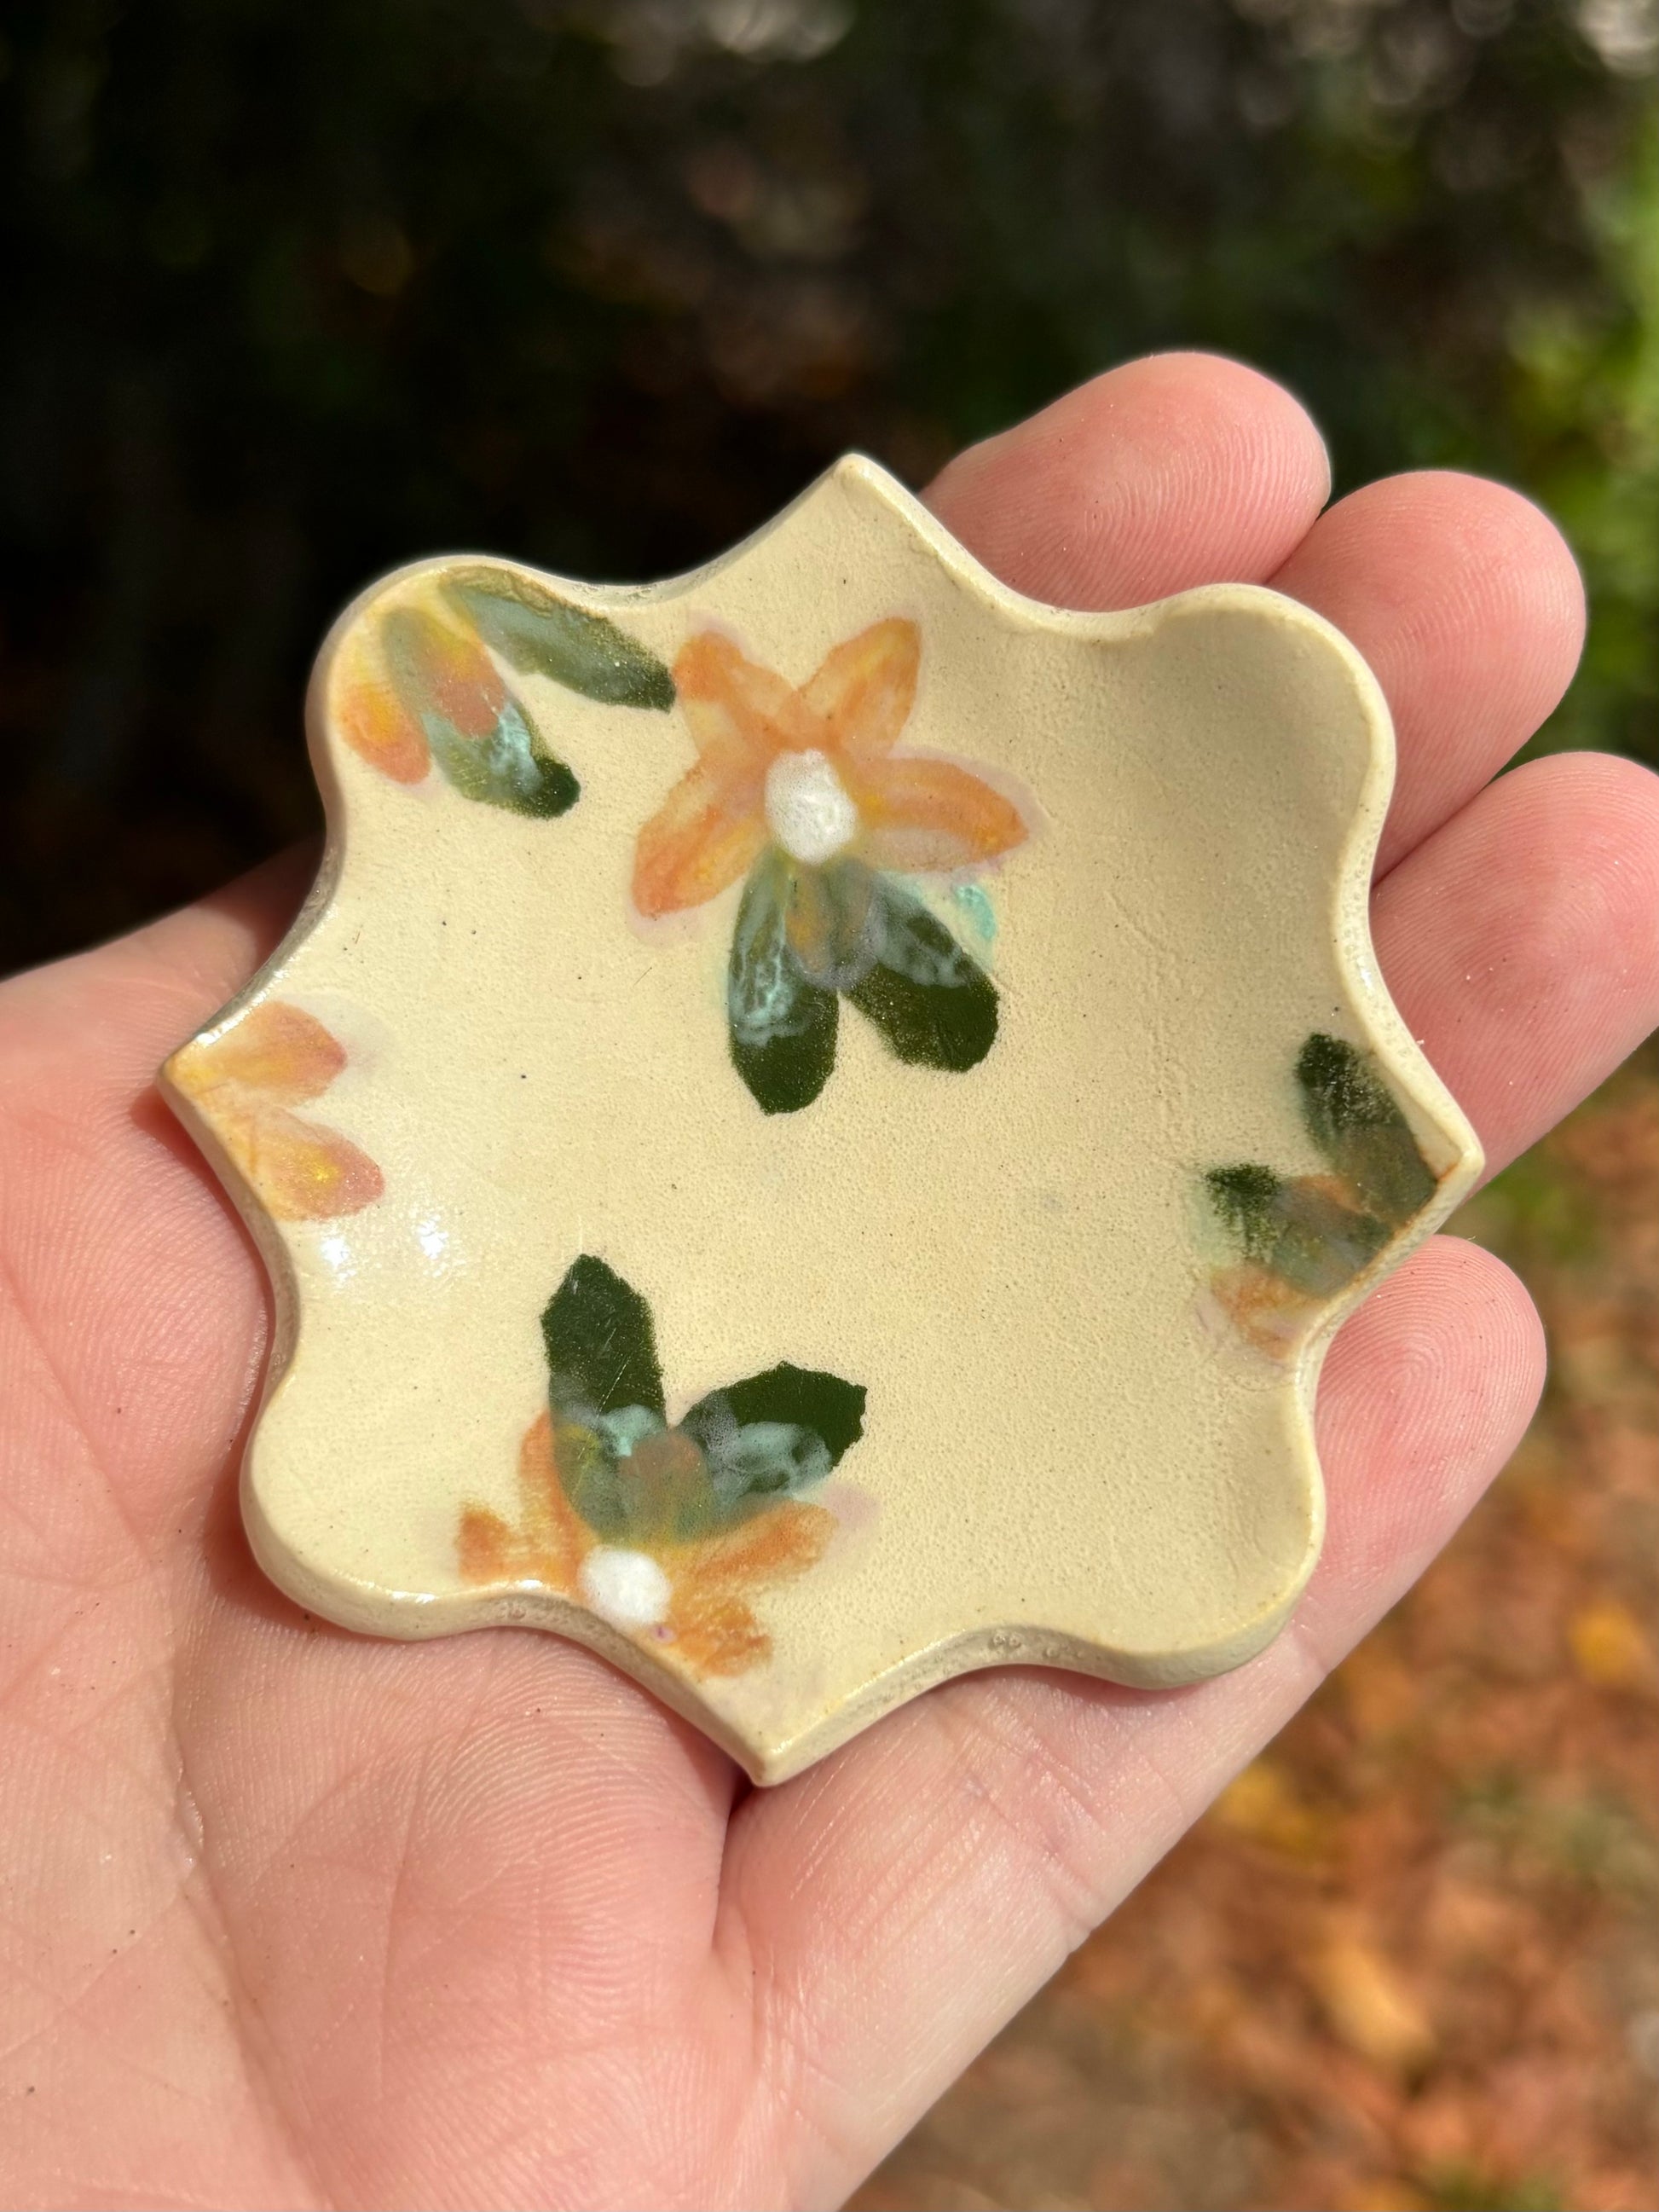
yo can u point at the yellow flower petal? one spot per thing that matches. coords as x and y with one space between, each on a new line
921 816
866 688
550 1543
373 720
705 835
274 1049
714 1632
301 1171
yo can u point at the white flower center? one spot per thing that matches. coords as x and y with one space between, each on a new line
808 809
627 1588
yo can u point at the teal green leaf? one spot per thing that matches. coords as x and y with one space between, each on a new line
511 767
476 730
601 1347
933 1003
1352 1116
757 1465
532 629
782 1025
1301 1232
629 1426
808 1395
775 1435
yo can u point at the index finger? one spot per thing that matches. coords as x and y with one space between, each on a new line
1185 469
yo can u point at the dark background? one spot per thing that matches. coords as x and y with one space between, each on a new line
291 293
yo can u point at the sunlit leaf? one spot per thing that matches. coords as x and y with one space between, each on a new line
477 731
533 630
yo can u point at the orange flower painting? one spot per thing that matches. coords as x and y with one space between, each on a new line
667 1532
688 1601
246 1082
804 793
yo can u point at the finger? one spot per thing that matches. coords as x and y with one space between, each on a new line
899 1902
1466 603
120 1240
1180 469
219 941
1520 942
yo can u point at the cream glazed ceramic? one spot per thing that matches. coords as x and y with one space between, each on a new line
818 1120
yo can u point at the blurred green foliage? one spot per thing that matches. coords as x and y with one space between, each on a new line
294 292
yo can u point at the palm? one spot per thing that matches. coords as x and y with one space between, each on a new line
290 1916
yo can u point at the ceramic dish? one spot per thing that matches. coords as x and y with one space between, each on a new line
819 1119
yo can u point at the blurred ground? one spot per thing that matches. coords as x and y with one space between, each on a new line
1411 1960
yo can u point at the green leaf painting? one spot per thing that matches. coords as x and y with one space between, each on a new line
1295 1229
805 935
476 729
782 1024
509 767
414 684
1352 1115
636 1479
600 1343
544 635
777 1435
1300 1240
933 1003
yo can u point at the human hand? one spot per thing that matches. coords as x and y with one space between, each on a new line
291 1916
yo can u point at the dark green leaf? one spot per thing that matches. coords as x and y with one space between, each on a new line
1246 1199
1297 1230
1352 1116
601 1347
775 1435
935 1005
806 1397
477 731
782 1025
510 767
533 630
